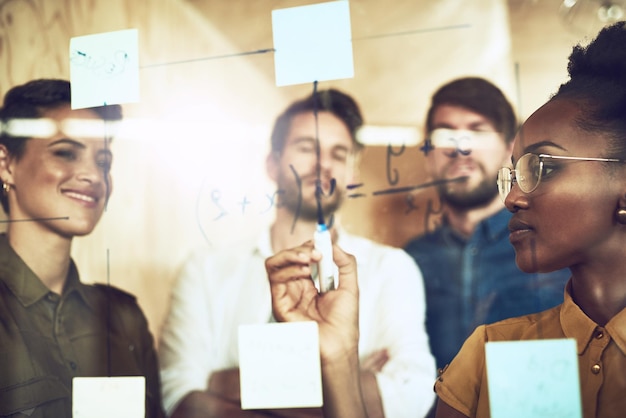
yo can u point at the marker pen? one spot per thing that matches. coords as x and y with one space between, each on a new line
326 266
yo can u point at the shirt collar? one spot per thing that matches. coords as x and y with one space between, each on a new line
23 282
617 329
579 326
497 224
264 242
491 228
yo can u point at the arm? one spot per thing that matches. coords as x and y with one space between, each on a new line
224 390
446 411
204 404
185 345
393 317
294 298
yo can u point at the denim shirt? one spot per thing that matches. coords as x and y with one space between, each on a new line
475 281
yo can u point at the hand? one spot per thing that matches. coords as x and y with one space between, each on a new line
295 298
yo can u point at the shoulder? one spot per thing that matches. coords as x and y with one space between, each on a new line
104 296
424 241
202 261
104 291
544 324
367 250
126 313
382 263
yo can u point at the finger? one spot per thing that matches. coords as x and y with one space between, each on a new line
346 263
291 272
299 256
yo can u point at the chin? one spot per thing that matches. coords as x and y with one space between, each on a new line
79 230
526 263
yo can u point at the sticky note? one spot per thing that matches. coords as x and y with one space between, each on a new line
105 397
537 378
104 69
312 43
279 365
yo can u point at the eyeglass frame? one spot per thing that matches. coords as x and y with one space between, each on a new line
512 172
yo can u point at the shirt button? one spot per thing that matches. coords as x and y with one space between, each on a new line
595 369
599 335
73 365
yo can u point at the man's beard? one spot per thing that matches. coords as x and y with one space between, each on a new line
480 196
306 209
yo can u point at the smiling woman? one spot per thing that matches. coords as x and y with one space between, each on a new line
55 185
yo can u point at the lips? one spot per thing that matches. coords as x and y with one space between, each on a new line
518 229
461 169
90 198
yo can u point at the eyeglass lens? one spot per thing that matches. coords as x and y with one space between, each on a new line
527 175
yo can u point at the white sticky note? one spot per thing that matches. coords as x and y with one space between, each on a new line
537 378
104 69
105 397
279 365
312 43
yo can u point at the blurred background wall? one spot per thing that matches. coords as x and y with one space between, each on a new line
193 174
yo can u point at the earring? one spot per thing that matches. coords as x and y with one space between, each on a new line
6 188
621 216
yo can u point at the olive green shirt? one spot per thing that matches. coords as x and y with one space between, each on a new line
47 339
601 359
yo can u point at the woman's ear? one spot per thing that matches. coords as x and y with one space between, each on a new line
6 175
620 211
271 165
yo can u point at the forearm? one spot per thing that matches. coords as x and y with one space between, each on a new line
342 388
371 395
201 404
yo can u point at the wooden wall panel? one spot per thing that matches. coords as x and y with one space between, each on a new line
199 115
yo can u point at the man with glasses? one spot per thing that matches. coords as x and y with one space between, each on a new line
467 262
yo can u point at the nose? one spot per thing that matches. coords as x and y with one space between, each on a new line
516 199
324 163
92 172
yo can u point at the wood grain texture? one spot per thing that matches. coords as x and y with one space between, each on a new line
206 121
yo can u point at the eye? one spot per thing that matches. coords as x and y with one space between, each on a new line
340 155
104 161
66 154
305 148
548 168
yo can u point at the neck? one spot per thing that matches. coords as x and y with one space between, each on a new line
46 253
464 221
599 289
285 234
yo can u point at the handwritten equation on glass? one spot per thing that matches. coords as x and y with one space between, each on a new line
223 205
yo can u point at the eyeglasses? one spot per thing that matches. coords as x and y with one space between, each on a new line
462 141
530 169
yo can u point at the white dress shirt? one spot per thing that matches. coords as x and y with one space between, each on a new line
218 290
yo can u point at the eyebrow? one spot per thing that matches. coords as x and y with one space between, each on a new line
67 141
309 139
472 126
78 144
534 147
